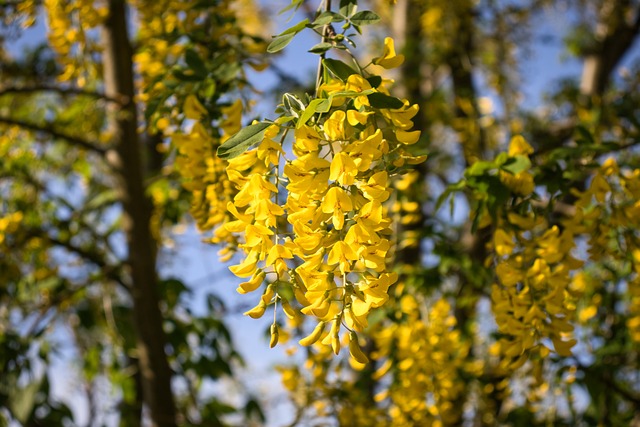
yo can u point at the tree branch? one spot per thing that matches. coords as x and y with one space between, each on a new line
91 146
110 271
11 3
121 100
624 393
615 44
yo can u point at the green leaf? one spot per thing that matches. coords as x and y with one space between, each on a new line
103 198
152 106
338 68
449 191
23 399
501 159
476 217
517 164
321 48
316 106
380 100
585 136
348 7
296 28
280 42
292 104
241 141
365 17
326 18
195 63
479 168
181 75
284 38
253 410
374 81
295 4
352 93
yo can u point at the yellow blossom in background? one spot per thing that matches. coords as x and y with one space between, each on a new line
389 59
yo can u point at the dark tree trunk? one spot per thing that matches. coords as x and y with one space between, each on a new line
126 160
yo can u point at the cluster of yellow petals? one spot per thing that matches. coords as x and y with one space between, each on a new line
70 22
633 322
533 299
28 11
427 354
204 174
159 50
163 25
325 388
420 354
608 215
536 296
327 243
521 183
9 224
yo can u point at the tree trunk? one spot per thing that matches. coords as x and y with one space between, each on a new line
614 37
126 160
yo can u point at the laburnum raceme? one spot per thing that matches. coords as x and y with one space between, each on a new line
539 278
70 23
429 353
204 174
312 218
607 213
532 299
186 85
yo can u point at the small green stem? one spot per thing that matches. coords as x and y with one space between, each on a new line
325 37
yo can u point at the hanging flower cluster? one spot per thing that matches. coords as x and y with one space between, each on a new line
532 299
425 355
204 174
608 213
69 25
313 222
186 84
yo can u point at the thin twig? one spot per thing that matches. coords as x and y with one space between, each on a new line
111 272
91 146
122 101
326 31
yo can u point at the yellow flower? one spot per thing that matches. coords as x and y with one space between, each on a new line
277 255
341 254
334 126
503 242
252 284
389 59
376 187
193 109
247 267
599 187
408 138
233 121
343 169
356 118
337 202
518 146
357 83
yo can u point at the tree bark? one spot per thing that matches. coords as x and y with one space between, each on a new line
615 36
126 159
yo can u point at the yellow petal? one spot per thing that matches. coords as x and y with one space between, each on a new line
253 284
389 59
193 109
408 138
354 349
313 336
